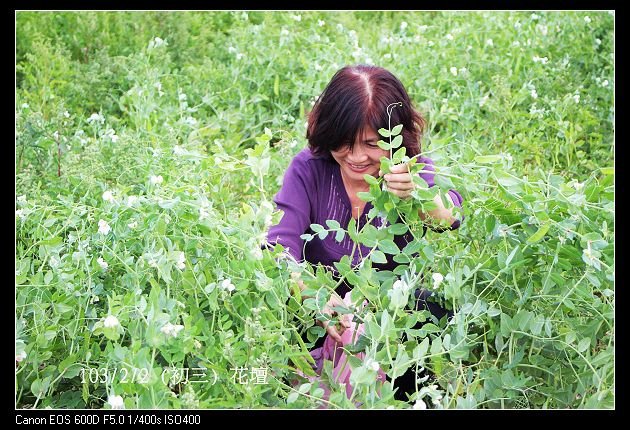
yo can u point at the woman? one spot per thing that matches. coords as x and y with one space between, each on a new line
322 181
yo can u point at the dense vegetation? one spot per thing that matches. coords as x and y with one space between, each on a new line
148 150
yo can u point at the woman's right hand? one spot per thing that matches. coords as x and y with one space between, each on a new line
344 321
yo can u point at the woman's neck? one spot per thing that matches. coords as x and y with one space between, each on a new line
354 187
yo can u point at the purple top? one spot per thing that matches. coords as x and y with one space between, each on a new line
312 192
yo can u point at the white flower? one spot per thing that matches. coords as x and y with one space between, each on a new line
534 94
419 404
538 59
449 36
535 17
256 253
232 50
22 199
182 97
108 196
102 263
20 213
483 100
178 150
403 25
171 330
103 227
577 185
111 322
190 121
535 111
66 114
598 41
297 17
374 366
155 180
453 71
399 285
239 56
132 200
54 262
181 261
116 402
587 19
133 225
318 67
284 32
321 23
96 117
516 43
203 213
25 106
605 83
157 42
437 279
387 56
227 285
21 356
423 27
489 42
542 28
576 98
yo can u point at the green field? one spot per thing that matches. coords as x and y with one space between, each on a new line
149 146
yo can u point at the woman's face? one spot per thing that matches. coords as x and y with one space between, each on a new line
364 158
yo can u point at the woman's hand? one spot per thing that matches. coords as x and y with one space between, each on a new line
398 180
344 320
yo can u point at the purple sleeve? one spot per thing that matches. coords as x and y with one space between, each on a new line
429 177
295 201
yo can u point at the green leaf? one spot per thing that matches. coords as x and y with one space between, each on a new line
398 229
396 130
317 228
436 346
487 158
339 235
511 256
506 325
388 246
384 132
397 141
608 170
420 351
370 179
443 182
378 257
276 86
584 344
365 196
384 145
332 224
539 234
304 388
397 158
292 397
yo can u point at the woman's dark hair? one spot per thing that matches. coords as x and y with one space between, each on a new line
357 97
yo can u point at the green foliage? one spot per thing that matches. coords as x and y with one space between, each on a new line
148 149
